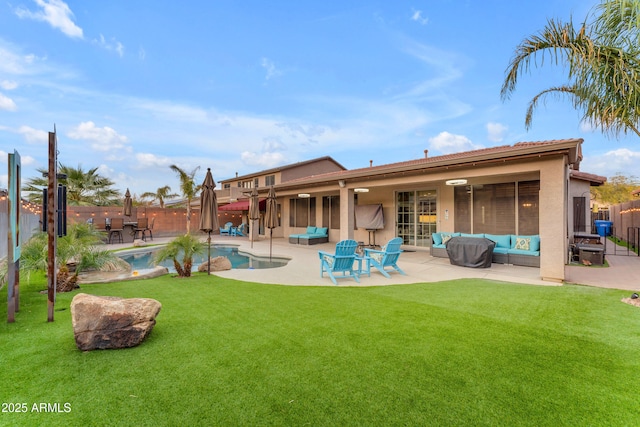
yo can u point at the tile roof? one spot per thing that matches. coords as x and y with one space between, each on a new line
484 154
594 179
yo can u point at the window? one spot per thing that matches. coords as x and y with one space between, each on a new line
331 212
269 180
256 183
506 208
226 186
302 212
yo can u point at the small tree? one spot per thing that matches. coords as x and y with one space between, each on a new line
188 187
78 251
186 246
160 195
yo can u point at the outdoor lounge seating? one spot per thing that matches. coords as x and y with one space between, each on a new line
313 236
340 265
239 230
226 229
141 228
509 249
385 258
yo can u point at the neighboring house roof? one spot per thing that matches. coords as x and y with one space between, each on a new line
283 168
595 180
520 150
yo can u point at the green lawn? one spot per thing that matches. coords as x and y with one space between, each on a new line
465 352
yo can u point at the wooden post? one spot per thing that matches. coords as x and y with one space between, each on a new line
52 232
13 240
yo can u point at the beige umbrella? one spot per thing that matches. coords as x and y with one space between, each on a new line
208 211
271 216
254 211
128 204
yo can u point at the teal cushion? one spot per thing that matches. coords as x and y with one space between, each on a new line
502 240
437 238
471 235
447 236
441 245
310 230
500 250
322 231
522 252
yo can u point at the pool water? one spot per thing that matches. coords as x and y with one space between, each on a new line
144 259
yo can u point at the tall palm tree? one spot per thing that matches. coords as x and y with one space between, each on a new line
84 187
603 64
188 188
160 194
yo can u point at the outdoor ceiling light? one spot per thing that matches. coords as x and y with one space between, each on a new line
361 190
456 182
304 195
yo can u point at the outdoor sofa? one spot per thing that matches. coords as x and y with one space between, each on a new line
509 249
313 236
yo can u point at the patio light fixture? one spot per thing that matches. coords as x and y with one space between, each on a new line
304 195
456 182
361 190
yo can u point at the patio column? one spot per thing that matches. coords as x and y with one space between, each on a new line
347 215
553 219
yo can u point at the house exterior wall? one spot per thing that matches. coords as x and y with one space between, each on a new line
314 168
552 171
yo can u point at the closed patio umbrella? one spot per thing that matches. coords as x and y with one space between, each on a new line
254 211
128 204
208 211
271 216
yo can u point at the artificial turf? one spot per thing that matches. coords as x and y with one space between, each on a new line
224 352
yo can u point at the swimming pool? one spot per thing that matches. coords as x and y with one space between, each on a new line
143 259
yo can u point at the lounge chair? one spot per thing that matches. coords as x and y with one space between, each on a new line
226 229
386 257
341 263
141 227
239 230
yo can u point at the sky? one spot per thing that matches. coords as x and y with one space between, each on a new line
134 87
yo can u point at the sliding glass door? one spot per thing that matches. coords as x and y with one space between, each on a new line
416 216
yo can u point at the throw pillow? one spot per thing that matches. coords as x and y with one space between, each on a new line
328 259
523 243
446 238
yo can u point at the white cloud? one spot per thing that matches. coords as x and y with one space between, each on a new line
621 160
264 160
7 103
447 143
419 18
104 139
34 136
145 160
272 71
8 85
56 13
496 131
112 45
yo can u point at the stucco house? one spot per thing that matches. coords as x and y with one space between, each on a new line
527 188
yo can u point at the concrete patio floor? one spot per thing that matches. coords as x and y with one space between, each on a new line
303 268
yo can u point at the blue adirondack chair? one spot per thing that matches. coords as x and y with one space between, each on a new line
239 230
342 263
226 229
387 257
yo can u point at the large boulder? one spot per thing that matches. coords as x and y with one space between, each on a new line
219 263
101 322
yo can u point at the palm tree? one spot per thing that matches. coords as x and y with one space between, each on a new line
186 246
188 187
160 194
84 188
603 65
79 249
